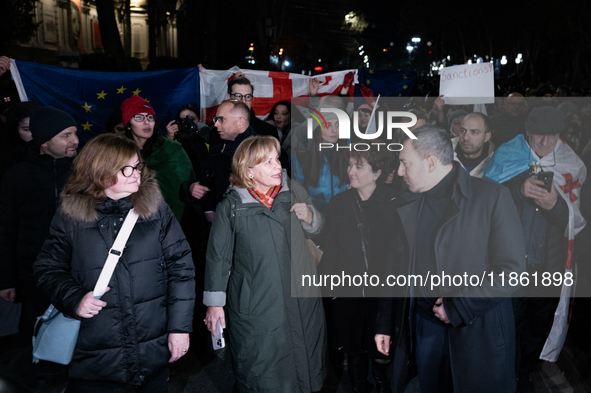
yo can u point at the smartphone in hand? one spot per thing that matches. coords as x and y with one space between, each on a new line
217 339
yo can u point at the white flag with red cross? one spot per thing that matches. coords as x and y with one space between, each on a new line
269 88
569 175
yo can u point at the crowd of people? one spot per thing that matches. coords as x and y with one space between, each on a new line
233 214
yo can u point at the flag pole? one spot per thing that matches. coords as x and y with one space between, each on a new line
372 119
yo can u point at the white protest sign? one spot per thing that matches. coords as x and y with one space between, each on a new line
468 84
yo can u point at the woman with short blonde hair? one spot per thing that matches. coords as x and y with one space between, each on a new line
276 335
250 153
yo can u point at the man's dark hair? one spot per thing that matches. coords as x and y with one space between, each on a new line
488 126
239 81
432 141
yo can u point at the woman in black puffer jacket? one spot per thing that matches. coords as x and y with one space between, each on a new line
143 322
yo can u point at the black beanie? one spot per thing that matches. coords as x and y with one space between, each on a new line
46 122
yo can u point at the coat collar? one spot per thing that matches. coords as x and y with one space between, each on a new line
461 187
245 196
85 208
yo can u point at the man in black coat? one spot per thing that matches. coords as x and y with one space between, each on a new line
457 225
29 197
232 125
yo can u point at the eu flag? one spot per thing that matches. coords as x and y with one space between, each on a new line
91 96
388 83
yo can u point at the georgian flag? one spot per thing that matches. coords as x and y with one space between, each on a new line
269 87
569 175
511 159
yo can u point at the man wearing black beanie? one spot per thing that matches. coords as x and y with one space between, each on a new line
29 197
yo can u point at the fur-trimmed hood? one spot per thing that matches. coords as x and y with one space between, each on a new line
82 207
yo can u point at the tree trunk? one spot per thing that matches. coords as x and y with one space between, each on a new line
108 28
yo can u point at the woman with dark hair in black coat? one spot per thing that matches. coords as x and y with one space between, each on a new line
361 228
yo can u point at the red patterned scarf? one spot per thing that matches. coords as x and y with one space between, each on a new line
266 199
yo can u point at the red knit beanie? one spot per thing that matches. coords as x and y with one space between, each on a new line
134 105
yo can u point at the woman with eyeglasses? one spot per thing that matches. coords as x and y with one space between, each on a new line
143 321
164 156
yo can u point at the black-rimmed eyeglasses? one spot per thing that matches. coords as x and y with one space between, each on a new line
140 118
238 96
222 118
127 170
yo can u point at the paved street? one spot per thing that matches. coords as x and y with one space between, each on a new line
204 371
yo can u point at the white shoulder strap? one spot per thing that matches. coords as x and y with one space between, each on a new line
115 253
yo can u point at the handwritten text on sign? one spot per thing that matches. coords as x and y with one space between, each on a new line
468 84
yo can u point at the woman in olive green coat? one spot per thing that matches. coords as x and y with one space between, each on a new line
257 255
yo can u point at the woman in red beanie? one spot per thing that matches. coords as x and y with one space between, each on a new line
164 156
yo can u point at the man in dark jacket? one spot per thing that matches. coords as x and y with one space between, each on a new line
457 225
544 217
232 125
29 196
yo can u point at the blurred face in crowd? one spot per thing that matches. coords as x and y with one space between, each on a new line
331 134
142 130
62 145
243 90
187 112
267 174
586 110
455 125
23 129
364 118
119 129
361 174
413 169
515 105
473 136
570 134
561 93
281 117
232 125
542 144
577 120
420 122
126 185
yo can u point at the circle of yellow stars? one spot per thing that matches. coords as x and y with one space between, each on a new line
405 86
101 96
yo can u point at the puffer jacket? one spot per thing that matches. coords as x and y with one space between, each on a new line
152 291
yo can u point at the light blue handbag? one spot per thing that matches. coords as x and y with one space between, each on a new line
55 340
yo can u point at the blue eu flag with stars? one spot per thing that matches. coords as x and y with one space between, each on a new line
388 83
90 96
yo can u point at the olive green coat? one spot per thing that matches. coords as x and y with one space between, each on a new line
277 341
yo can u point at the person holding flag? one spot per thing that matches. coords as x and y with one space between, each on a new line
544 176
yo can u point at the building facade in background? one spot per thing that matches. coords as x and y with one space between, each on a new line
70 28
